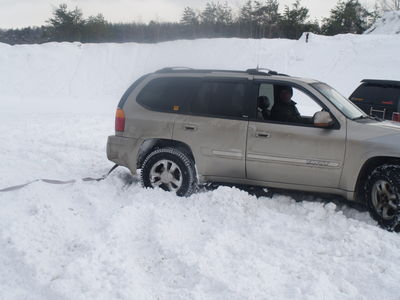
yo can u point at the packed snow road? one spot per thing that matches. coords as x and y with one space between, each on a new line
114 239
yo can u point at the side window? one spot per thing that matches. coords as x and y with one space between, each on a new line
130 90
221 99
265 101
376 94
306 105
168 94
285 103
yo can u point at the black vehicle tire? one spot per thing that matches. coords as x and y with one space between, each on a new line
170 169
382 194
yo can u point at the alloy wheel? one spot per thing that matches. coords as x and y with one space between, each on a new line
167 175
384 200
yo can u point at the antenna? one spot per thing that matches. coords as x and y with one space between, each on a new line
258 52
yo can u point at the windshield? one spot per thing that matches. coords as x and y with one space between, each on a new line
342 103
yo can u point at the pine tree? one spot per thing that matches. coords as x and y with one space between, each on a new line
347 17
246 20
95 29
224 14
209 14
294 20
267 17
215 19
267 13
189 17
246 12
66 25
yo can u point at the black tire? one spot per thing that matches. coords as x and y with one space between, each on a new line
382 194
185 173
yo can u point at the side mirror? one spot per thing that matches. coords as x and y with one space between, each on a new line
323 119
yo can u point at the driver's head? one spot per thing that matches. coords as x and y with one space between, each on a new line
284 93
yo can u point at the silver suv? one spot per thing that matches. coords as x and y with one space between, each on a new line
184 127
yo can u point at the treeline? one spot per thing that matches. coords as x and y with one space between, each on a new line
255 19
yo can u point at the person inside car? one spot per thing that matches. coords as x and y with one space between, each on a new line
262 108
284 109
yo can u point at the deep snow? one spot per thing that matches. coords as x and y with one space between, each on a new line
115 240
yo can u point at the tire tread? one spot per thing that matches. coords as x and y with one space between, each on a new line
391 173
186 160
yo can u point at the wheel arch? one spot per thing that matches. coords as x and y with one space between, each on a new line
149 145
367 168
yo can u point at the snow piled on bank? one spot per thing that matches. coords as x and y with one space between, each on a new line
91 77
116 240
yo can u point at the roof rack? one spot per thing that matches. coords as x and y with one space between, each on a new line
248 71
263 71
172 69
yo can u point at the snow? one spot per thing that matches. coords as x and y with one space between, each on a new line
115 240
389 23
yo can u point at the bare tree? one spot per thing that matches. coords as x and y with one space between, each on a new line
390 4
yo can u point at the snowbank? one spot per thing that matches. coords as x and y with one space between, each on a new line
388 24
91 77
115 240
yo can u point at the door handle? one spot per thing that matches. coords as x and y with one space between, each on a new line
190 127
262 134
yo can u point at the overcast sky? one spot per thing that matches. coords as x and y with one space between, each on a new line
23 13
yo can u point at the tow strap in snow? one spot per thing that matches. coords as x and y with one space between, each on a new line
52 181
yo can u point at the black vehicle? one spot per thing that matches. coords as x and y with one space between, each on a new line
380 98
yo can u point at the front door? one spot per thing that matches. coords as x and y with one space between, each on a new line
293 152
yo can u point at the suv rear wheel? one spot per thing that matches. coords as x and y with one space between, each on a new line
170 169
382 191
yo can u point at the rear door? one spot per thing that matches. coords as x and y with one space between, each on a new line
215 127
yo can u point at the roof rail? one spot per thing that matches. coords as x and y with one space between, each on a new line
190 70
172 69
261 71
248 71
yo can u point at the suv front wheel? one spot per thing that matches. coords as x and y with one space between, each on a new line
382 191
170 169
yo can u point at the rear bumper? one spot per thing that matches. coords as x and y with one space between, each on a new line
123 151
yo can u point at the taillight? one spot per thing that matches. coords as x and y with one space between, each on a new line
119 120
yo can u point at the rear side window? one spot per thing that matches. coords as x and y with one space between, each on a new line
196 96
376 94
129 91
221 99
169 94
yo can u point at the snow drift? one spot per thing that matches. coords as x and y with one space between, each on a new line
115 240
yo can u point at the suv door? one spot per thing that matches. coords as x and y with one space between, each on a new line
215 127
293 153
